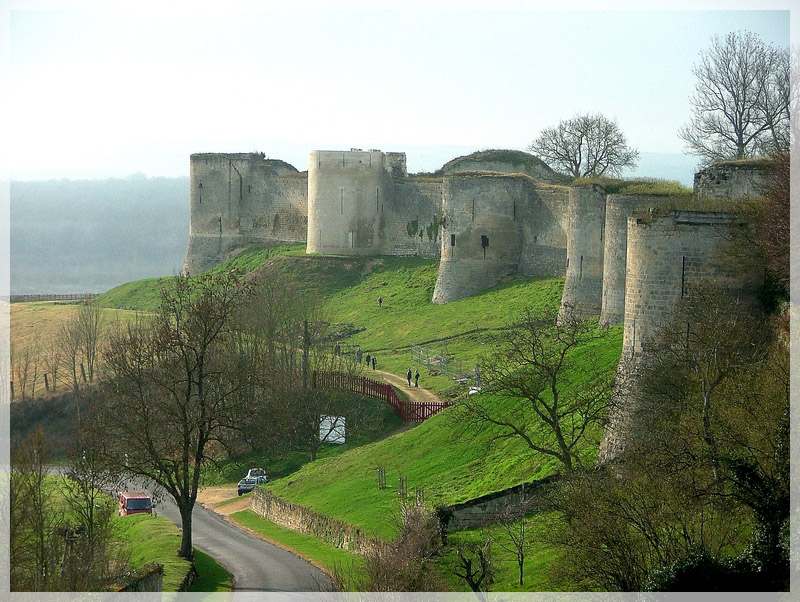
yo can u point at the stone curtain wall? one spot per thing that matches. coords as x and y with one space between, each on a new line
543 218
730 179
583 285
666 256
239 200
410 219
296 517
481 238
618 209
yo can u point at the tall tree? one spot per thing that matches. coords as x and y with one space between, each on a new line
741 100
585 146
179 388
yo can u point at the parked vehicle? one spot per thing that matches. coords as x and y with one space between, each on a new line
134 502
246 486
254 473
253 478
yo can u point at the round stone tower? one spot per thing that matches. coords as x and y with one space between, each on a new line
667 255
346 190
583 284
480 234
619 207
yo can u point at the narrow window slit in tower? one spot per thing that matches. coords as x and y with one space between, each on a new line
341 200
683 277
452 240
377 196
580 269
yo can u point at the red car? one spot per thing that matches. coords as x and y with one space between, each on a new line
134 502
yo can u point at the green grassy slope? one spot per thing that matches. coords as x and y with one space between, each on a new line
450 465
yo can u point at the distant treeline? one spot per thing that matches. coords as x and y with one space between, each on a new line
92 235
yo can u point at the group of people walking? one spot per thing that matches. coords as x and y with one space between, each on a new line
372 359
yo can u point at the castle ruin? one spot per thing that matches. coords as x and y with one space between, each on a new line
487 216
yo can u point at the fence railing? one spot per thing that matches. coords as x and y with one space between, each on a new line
415 411
54 297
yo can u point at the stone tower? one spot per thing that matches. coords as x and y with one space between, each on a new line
481 239
347 193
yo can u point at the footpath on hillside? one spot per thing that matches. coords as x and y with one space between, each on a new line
400 383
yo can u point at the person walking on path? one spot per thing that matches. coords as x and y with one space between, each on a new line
380 301
359 353
408 376
374 361
416 379
369 360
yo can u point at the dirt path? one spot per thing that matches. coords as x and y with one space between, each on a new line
414 393
215 498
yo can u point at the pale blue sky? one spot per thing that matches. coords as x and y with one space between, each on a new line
97 94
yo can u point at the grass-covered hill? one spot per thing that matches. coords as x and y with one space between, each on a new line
450 465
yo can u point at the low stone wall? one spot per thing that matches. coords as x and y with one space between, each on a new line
489 508
149 578
298 518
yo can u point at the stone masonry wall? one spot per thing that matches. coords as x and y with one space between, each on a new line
410 219
583 284
237 200
730 179
543 218
666 256
481 237
618 209
296 517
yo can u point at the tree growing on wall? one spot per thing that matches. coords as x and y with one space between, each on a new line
585 146
740 107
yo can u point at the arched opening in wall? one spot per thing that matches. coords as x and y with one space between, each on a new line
484 244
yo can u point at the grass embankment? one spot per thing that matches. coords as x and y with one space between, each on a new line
156 539
309 547
451 465
144 295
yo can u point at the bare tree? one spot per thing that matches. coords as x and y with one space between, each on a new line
89 325
531 365
70 342
25 369
516 525
585 146
53 359
178 387
741 100
476 567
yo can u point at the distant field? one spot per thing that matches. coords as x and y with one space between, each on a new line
34 330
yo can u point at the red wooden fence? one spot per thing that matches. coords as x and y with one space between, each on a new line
416 411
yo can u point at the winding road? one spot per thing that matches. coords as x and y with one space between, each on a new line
255 564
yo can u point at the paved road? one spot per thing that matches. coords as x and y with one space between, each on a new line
255 564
